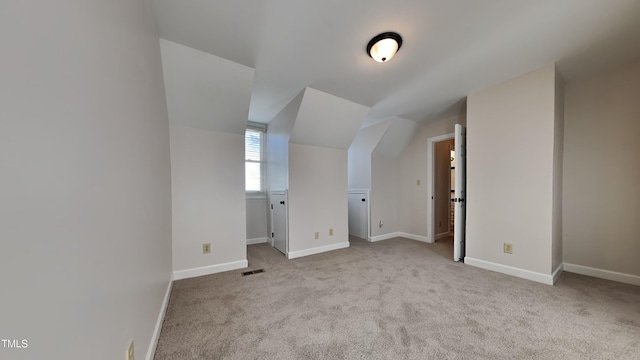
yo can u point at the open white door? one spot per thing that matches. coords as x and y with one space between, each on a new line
460 193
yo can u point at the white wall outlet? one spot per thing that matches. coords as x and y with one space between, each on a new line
508 248
130 352
317 235
331 232
418 182
380 224
206 248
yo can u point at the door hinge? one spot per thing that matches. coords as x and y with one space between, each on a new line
272 235
271 206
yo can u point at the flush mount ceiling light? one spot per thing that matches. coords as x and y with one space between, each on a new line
384 46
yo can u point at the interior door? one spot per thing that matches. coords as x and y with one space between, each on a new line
460 193
358 218
279 220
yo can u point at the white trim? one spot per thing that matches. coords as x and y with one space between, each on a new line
603 274
557 272
270 241
254 241
510 270
317 250
151 352
413 236
443 235
384 237
208 270
430 183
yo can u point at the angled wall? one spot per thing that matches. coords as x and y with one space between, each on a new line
323 130
85 200
385 176
359 155
208 105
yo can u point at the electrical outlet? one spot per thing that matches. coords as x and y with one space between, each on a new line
418 182
130 352
380 224
317 235
508 248
330 232
206 248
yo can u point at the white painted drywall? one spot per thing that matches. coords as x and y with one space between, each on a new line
205 91
317 196
383 199
85 201
209 204
277 148
327 120
359 155
601 205
510 144
397 136
558 151
412 206
257 217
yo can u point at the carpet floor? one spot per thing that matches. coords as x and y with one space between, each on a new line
395 299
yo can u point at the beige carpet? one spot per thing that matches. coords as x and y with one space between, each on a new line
395 299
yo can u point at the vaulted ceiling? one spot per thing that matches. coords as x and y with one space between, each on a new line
451 47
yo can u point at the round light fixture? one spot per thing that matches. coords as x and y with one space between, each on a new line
384 46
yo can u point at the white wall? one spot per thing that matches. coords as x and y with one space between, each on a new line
85 202
412 206
207 168
601 205
359 155
257 218
510 169
558 151
384 194
208 102
278 135
205 91
317 196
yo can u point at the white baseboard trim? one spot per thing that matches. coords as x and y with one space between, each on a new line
261 240
413 237
442 235
270 241
510 270
557 272
208 270
317 250
384 237
151 352
602 274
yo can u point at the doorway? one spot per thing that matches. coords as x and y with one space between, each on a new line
446 156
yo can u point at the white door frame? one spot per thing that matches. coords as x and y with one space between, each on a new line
431 231
286 218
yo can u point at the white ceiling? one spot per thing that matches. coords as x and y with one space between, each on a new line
451 47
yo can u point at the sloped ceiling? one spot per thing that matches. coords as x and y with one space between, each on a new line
450 49
396 138
327 120
205 91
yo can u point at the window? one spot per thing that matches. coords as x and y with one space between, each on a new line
254 165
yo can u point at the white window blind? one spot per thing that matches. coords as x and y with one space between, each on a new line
254 159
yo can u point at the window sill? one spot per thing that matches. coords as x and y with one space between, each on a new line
256 196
